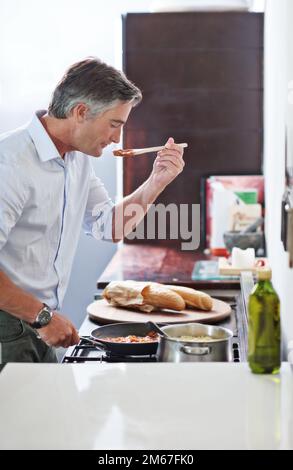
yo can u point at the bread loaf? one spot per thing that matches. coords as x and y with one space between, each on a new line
127 294
160 296
148 296
144 296
193 298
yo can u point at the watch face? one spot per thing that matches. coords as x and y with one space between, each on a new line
44 317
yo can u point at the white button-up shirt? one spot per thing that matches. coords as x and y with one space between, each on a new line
44 202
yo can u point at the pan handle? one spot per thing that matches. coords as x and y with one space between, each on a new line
195 351
153 326
95 343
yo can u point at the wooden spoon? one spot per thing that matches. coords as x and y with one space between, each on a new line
133 152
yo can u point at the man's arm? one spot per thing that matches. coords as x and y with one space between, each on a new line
127 209
14 300
167 166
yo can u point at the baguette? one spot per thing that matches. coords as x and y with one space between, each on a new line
144 296
193 298
160 296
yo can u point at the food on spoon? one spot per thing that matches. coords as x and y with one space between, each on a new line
144 296
193 298
123 153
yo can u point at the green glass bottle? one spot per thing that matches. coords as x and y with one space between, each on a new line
264 329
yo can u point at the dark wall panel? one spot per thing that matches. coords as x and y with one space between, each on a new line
202 79
194 30
205 69
201 109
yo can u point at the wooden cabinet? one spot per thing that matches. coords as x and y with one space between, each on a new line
201 74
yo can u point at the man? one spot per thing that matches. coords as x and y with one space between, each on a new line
49 190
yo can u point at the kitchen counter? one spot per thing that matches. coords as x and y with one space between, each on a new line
159 264
145 406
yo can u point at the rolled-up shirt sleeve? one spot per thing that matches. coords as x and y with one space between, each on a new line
13 196
99 211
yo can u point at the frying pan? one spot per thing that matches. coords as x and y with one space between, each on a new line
124 329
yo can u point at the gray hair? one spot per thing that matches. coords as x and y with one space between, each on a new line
95 84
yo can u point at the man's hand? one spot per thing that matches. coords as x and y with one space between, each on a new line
168 164
59 332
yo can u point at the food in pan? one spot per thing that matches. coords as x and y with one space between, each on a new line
197 339
152 337
149 296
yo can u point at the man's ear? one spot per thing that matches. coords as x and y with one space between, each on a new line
79 112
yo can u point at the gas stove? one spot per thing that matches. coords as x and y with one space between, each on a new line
237 322
85 352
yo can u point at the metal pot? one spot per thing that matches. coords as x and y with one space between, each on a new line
172 349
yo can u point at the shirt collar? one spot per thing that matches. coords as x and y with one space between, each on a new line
43 143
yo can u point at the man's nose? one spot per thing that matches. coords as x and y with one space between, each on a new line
116 136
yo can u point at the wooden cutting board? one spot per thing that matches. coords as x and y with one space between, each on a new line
225 268
101 312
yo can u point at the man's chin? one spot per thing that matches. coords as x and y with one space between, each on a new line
97 153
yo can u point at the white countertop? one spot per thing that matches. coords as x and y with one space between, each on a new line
145 406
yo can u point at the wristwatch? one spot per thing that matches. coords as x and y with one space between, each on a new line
43 318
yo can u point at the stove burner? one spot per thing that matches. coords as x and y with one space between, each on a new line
84 352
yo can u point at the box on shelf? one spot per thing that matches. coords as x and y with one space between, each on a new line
231 203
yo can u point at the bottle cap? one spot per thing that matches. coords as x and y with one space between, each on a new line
264 274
